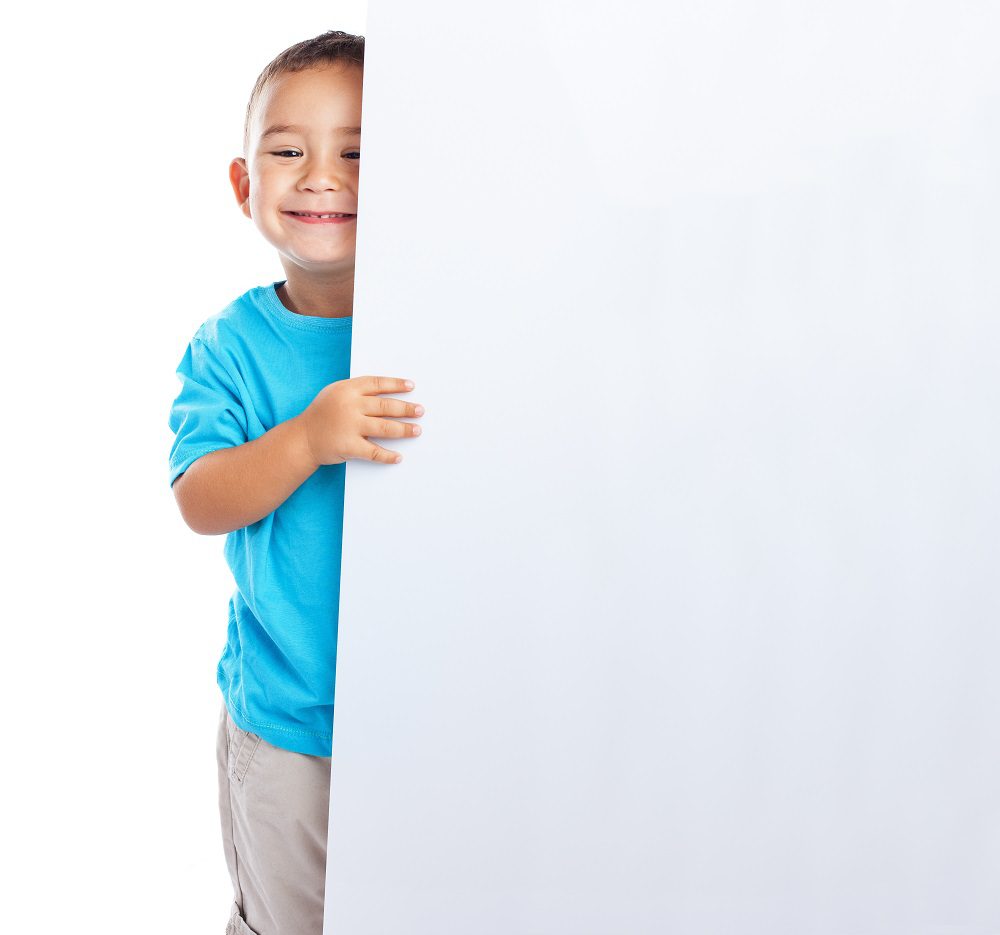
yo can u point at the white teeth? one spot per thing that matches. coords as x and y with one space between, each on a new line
304 214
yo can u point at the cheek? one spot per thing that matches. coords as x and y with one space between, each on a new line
257 199
265 189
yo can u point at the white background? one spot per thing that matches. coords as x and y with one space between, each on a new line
121 237
873 210
681 616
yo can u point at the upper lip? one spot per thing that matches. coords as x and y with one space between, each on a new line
315 211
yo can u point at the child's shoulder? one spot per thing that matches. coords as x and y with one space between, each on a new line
241 317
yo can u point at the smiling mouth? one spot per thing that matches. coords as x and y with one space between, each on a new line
312 214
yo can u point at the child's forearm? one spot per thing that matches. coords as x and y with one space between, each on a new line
234 487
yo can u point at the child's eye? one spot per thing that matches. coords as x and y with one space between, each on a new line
355 154
287 152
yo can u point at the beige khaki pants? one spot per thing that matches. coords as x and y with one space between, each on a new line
274 806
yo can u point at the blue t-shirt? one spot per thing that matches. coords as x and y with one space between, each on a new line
248 368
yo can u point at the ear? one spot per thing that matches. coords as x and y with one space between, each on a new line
239 178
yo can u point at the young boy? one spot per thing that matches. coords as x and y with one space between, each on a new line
264 422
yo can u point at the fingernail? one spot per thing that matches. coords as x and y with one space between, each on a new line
416 430
419 410
408 384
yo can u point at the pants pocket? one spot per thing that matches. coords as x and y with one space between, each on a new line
237 924
242 746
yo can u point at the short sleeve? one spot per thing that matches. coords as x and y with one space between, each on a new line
207 413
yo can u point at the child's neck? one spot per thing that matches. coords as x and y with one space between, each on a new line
323 298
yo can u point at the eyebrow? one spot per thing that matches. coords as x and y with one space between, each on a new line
289 128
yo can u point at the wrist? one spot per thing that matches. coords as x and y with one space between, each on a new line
303 453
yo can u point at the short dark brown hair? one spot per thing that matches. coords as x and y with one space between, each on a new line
326 49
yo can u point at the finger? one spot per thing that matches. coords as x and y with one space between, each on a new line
370 385
369 451
389 428
387 406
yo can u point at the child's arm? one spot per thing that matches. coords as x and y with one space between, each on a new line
234 487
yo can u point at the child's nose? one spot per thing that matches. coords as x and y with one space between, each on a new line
321 177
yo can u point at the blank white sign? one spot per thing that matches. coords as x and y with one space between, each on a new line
682 614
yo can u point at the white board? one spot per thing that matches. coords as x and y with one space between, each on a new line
681 616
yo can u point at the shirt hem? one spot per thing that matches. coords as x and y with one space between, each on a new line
310 743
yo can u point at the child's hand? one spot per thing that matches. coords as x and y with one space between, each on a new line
343 413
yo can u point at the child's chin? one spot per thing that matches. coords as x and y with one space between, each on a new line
325 264
334 254
310 256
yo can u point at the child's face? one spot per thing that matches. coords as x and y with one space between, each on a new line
302 161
